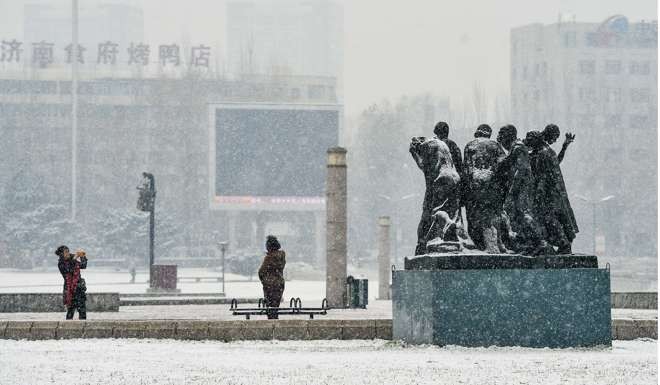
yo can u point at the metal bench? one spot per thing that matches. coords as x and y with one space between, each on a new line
295 308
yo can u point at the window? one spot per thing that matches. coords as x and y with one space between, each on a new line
570 39
640 95
614 121
587 67
639 121
315 92
295 93
524 74
591 39
586 94
640 68
612 95
613 67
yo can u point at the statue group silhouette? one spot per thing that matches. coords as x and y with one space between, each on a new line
513 192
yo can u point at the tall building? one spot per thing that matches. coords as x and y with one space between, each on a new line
293 37
599 81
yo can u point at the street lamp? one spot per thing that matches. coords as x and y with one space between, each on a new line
74 108
223 249
147 202
593 204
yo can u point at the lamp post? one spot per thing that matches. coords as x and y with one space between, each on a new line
147 202
74 107
223 249
593 204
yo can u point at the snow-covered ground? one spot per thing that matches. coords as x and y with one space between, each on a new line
375 310
108 280
116 362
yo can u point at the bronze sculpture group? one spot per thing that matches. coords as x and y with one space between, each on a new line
513 192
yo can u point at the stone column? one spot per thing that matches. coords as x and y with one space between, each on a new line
335 270
384 261
319 241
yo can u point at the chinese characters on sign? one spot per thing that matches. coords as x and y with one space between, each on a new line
11 51
107 53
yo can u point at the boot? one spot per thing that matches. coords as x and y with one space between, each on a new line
69 312
82 312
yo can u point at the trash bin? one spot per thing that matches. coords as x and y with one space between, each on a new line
163 277
358 292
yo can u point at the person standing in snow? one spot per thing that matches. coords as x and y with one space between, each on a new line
271 275
75 290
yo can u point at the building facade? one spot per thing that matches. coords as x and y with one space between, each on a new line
599 81
159 125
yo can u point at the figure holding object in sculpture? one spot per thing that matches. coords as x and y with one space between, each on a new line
434 158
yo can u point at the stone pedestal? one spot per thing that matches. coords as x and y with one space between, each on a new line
454 301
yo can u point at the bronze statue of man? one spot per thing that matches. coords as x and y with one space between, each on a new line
517 185
434 158
481 194
550 197
441 130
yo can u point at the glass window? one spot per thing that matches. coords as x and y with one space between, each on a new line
586 94
640 95
587 67
570 39
612 95
640 68
613 67
639 121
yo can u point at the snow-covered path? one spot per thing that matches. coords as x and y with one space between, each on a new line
379 362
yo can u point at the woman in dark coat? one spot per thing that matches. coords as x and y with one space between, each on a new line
75 290
271 274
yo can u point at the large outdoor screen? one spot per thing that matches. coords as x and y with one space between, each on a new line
272 152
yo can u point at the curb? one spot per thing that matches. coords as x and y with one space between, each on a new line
622 329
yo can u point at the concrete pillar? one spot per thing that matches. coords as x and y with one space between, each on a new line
384 261
335 266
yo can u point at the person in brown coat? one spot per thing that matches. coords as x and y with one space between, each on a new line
271 274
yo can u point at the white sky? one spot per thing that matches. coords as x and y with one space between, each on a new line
396 47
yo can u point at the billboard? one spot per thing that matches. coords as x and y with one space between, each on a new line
270 156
